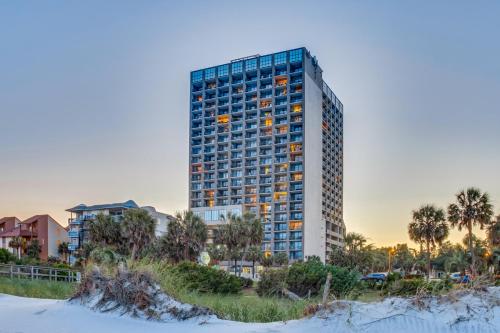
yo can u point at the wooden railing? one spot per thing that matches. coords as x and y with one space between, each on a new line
40 273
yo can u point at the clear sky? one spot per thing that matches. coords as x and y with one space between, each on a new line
94 98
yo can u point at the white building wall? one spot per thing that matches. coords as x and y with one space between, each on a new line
314 225
56 235
162 220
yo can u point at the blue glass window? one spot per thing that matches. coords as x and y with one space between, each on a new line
265 61
279 246
209 73
197 76
237 67
280 58
251 64
296 55
223 70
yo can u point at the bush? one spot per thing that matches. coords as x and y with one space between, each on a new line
343 280
272 281
6 256
33 250
246 282
411 287
104 255
206 279
305 277
310 276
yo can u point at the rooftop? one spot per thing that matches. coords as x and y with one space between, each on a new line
84 208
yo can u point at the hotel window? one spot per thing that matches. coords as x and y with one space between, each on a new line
223 70
237 67
280 58
209 73
197 76
251 64
296 55
265 61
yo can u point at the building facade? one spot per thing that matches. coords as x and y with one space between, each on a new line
266 136
82 214
49 233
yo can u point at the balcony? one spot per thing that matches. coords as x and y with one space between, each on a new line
73 234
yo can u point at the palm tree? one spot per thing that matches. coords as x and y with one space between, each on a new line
254 254
194 234
185 238
252 233
230 235
17 243
428 227
493 233
63 250
139 228
354 241
480 247
472 208
104 230
216 252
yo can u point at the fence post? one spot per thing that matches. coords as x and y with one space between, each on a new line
31 267
11 271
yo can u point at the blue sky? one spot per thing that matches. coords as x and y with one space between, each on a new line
94 98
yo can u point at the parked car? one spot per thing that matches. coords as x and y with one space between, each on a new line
377 277
458 277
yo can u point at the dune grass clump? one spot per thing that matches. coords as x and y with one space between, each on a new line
132 292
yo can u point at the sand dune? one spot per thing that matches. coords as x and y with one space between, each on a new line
466 313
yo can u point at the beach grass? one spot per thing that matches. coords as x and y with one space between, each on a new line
37 288
246 306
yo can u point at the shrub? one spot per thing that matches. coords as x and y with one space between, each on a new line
310 276
6 256
246 282
103 255
33 250
343 280
411 287
305 277
272 281
206 279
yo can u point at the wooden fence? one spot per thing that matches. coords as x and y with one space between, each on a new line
40 273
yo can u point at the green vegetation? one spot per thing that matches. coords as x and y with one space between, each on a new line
428 228
171 260
472 208
272 282
185 238
245 306
411 287
239 238
6 256
205 279
37 288
307 279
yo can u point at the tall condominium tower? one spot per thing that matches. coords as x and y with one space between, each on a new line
266 136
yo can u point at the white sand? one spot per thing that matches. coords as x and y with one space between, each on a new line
469 314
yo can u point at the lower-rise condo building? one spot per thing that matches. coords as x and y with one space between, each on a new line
82 214
266 136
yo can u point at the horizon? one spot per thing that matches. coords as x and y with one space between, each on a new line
95 101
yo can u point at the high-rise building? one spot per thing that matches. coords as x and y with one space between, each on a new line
266 136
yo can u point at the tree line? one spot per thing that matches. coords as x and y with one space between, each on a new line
429 228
